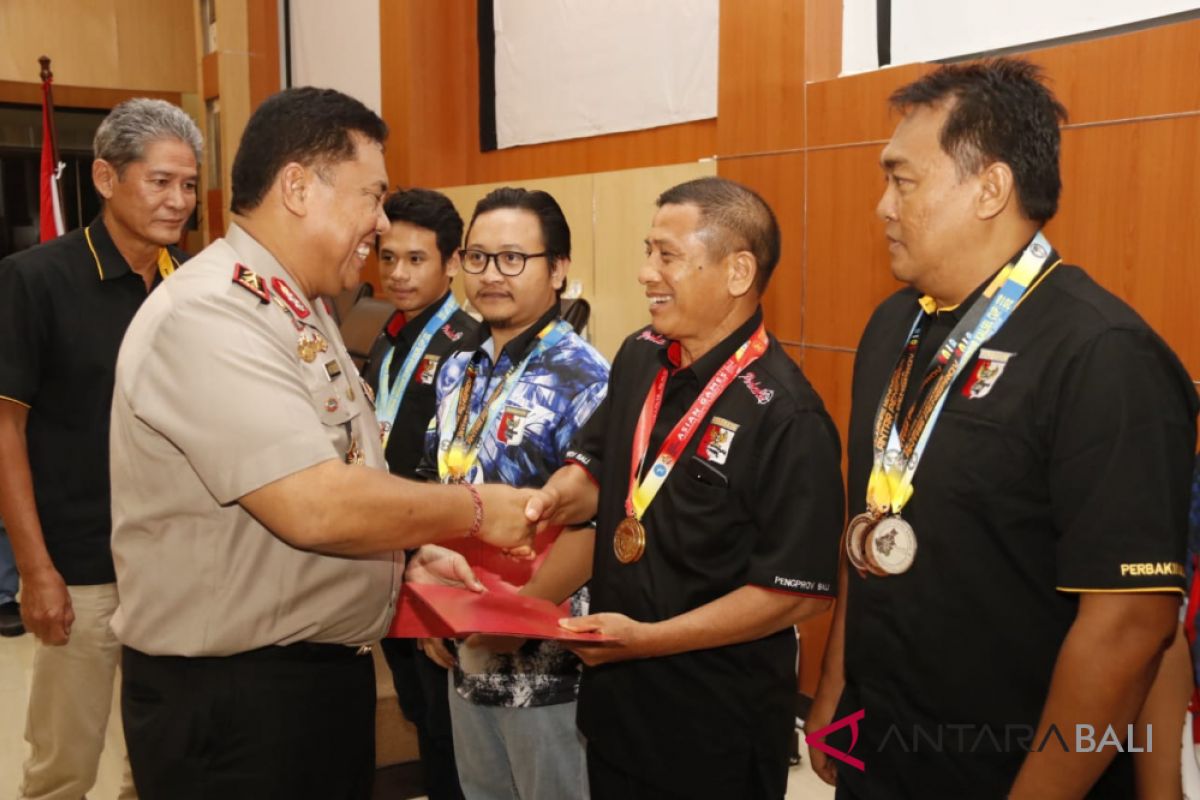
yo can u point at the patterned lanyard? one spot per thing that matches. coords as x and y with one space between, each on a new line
391 393
458 453
897 452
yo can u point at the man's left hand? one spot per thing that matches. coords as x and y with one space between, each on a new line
629 639
442 566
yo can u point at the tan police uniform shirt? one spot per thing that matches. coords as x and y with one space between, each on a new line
216 397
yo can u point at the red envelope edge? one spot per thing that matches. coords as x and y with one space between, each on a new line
450 612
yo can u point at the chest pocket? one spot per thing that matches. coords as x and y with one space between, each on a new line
334 392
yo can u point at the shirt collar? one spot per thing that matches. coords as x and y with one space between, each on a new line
706 366
401 327
930 306
110 264
521 344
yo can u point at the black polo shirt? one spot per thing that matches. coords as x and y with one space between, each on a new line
756 498
64 308
1060 465
407 440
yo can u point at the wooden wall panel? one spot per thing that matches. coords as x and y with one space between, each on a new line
830 374
262 23
823 39
780 181
122 44
1144 73
854 109
760 99
430 96
848 271
1127 216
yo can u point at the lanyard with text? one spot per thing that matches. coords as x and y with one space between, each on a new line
640 494
391 393
630 538
458 446
896 455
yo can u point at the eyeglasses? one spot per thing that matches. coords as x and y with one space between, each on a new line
510 262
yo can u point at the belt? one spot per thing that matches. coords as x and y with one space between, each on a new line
299 651
306 651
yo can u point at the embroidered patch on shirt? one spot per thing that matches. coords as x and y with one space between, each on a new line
512 426
426 370
718 437
988 368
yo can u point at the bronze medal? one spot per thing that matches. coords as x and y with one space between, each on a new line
629 541
891 547
856 536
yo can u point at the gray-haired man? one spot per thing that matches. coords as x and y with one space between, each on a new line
64 308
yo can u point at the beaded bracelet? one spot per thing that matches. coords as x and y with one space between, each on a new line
477 523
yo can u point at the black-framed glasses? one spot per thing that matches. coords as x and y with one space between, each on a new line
510 262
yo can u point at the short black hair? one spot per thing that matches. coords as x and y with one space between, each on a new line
430 210
1002 111
732 217
556 233
305 125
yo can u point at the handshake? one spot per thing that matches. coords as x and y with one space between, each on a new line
512 517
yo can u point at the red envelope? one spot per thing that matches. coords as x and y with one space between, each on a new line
450 612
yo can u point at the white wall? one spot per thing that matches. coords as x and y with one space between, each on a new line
336 45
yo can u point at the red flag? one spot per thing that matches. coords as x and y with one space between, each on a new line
51 205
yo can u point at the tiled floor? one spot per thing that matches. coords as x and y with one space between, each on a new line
15 657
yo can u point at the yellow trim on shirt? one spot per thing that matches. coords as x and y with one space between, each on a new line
14 400
87 234
1076 590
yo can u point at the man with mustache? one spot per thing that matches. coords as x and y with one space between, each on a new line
256 529
507 410
713 471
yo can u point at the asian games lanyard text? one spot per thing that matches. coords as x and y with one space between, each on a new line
640 494
458 446
391 394
897 452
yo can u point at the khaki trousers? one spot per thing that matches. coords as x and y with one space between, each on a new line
69 702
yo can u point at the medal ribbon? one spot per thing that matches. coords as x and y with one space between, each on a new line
391 393
641 494
897 452
457 453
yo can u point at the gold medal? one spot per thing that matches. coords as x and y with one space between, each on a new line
309 344
856 536
891 547
629 541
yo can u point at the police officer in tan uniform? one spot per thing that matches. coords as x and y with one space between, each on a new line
254 518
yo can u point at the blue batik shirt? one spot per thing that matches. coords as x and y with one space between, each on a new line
527 443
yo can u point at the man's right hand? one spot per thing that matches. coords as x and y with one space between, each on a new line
46 606
504 522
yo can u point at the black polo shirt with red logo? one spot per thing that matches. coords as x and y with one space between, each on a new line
64 308
406 442
756 498
1060 464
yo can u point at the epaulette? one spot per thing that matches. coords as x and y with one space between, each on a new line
249 280
290 297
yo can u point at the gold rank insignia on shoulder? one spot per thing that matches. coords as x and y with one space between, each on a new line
355 454
249 280
310 344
